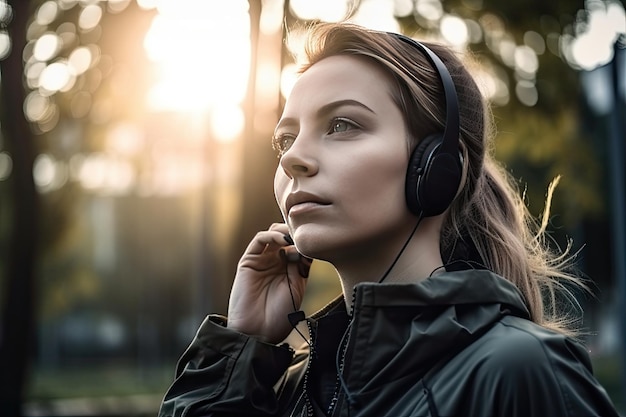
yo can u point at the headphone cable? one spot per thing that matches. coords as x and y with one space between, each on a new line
419 220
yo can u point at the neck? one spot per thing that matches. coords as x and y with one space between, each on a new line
418 261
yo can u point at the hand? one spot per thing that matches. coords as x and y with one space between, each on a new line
261 297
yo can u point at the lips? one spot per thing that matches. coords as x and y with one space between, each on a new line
302 197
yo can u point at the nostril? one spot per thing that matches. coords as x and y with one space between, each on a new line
299 168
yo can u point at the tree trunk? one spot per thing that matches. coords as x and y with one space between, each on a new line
18 307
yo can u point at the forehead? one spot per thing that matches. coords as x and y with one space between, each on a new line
337 78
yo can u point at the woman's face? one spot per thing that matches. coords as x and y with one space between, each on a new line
340 180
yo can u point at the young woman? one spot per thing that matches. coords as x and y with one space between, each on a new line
447 309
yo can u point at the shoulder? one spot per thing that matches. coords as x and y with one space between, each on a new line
518 345
529 370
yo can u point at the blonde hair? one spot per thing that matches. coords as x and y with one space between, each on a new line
489 210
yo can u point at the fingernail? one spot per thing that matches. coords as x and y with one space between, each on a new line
288 239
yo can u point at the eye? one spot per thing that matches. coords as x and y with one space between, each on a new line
282 143
339 125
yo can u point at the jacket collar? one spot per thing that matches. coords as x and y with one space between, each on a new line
450 288
459 287
400 330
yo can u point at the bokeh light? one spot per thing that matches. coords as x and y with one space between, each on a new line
49 174
526 61
47 46
90 17
47 13
5 44
526 92
56 77
535 41
431 10
80 59
6 166
597 32
454 30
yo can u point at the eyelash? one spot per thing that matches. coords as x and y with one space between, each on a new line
279 141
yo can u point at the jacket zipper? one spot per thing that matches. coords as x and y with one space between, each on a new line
307 401
343 347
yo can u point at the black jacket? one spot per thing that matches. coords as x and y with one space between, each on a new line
458 344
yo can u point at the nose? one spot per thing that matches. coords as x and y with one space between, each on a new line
300 160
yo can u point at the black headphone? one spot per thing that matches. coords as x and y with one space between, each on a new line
435 166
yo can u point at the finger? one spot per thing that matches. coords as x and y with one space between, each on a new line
266 240
279 227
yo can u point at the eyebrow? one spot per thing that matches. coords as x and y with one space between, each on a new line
326 109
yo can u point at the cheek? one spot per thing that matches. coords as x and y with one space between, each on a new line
281 181
380 180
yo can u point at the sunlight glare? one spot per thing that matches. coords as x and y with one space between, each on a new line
288 78
324 10
271 16
377 15
203 61
227 122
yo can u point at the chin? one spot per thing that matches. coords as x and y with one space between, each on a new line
313 245
324 246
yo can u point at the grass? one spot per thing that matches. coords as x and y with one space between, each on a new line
99 384
97 390
98 381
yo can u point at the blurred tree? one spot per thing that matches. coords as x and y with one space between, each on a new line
18 308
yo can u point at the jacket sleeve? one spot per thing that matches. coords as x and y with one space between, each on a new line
226 373
541 374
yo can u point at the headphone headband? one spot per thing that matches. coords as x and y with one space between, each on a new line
451 128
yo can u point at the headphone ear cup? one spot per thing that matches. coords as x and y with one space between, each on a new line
433 178
418 166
